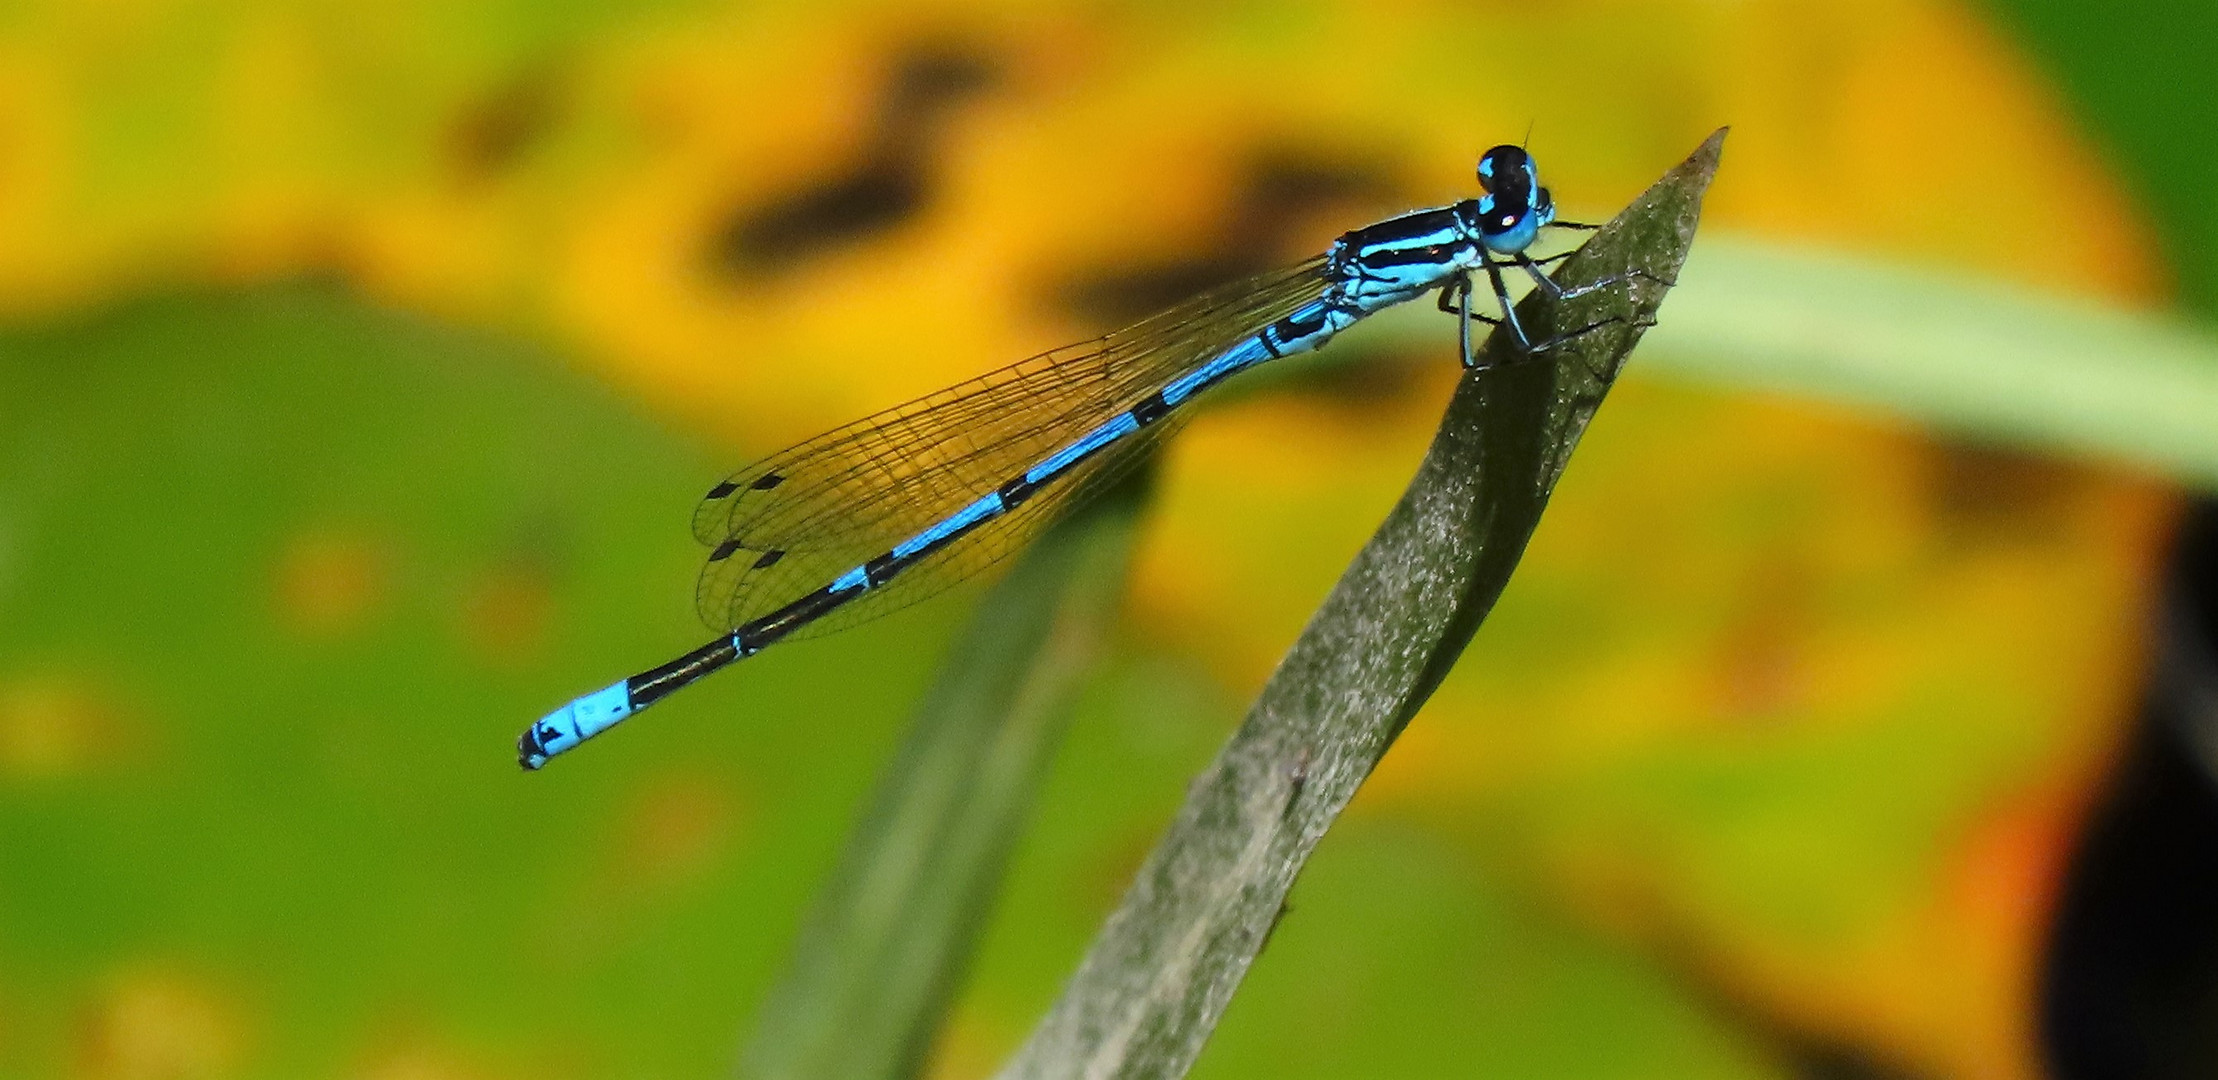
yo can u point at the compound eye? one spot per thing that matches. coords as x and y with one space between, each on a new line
1492 164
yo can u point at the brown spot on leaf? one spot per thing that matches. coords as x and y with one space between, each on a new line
1763 655
506 614
420 1061
1983 494
893 176
676 830
499 130
160 1026
53 726
1264 224
328 582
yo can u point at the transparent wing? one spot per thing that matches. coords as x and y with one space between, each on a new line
796 520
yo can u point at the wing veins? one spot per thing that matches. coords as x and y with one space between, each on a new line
854 492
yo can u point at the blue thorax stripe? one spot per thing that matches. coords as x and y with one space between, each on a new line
1445 235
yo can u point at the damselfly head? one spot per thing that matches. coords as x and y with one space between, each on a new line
1507 173
1515 205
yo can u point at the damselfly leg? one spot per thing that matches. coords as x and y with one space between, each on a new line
1455 299
1548 285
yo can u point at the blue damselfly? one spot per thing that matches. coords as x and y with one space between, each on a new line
897 506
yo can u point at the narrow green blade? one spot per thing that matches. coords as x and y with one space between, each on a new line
892 933
1163 969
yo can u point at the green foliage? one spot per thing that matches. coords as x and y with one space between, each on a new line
282 575
2142 75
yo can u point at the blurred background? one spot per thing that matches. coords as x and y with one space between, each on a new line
362 360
